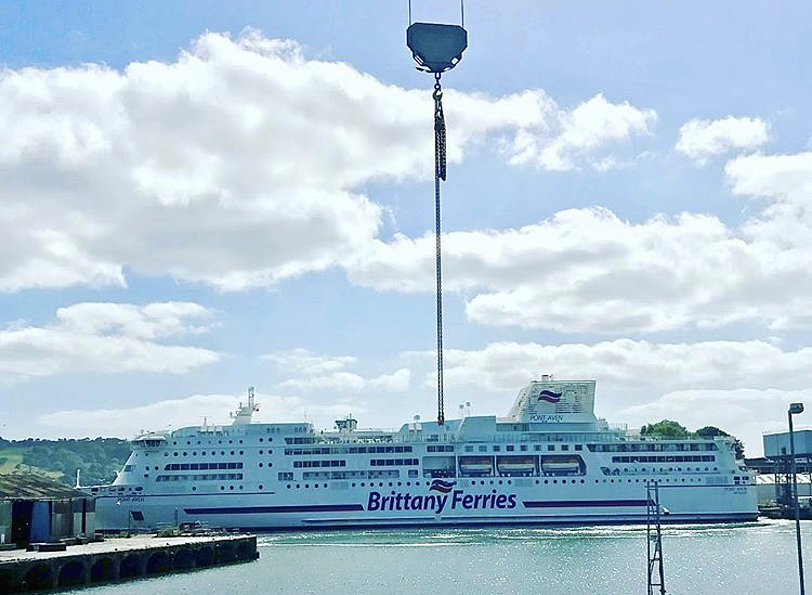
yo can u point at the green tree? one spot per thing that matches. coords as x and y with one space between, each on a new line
713 431
666 428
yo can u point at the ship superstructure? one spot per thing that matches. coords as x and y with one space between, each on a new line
549 461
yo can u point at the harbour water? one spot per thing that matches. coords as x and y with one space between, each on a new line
755 558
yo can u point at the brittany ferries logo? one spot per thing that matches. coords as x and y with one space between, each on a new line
550 396
446 497
438 485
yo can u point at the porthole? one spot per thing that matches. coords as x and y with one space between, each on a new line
298 486
194 488
230 487
260 486
260 464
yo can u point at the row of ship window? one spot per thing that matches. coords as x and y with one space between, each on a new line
652 447
522 447
343 450
562 482
201 466
200 477
665 459
203 453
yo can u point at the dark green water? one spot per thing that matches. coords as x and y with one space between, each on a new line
757 558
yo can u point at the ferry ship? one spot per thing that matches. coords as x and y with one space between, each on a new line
550 461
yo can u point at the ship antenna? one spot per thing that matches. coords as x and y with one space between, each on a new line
436 49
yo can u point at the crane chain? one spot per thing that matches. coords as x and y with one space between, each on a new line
439 174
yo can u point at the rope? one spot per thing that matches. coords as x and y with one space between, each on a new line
439 174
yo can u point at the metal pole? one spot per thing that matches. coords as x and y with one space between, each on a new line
795 502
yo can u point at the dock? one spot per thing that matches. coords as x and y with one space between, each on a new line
119 559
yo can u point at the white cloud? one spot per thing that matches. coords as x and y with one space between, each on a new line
624 364
105 338
577 135
702 139
304 361
745 413
240 163
589 270
177 413
314 372
398 381
785 181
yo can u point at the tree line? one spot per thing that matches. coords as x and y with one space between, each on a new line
99 459
668 428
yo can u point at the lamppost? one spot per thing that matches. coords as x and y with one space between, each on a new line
794 409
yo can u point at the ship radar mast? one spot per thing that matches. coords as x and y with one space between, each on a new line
243 414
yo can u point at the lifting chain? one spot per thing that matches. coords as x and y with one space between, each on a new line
439 174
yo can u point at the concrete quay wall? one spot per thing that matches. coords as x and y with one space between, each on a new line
119 559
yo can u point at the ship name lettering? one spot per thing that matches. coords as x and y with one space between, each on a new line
548 418
437 502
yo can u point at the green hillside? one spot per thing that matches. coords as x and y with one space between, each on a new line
99 459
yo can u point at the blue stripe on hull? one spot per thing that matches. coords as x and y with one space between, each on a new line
581 503
276 509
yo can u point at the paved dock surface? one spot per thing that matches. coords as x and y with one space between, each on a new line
118 559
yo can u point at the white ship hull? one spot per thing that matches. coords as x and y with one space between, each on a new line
534 506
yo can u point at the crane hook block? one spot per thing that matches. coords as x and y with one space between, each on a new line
436 48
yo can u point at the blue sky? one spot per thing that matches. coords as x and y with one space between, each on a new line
198 197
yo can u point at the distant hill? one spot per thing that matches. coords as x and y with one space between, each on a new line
99 459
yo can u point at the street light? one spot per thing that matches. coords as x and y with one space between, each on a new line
794 409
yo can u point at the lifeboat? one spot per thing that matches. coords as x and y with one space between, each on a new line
516 465
558 465
476 466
